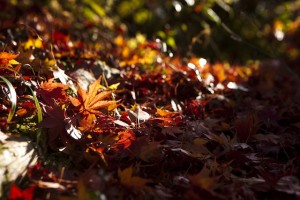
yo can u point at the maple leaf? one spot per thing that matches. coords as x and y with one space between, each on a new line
166 117
56 121
91 101
195 108
128 180
204 180
8 64
7 59
124 139
165 113
18 193
146 150
50 85
52 91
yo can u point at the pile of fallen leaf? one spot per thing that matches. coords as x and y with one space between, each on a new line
125 118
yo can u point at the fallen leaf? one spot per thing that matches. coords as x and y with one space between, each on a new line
246 127
127 179
137 114
204 180
54 120
124 139
53 92
17 193
91 101
165 113
33 43
7 59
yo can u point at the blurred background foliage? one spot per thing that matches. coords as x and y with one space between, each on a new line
218 30
226 30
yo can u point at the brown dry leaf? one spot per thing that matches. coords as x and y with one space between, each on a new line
128 180
246 127
148 151
196 149
204 180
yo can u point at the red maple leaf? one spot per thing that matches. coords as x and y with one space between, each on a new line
17 193
54 121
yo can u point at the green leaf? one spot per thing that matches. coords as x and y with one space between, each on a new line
13 98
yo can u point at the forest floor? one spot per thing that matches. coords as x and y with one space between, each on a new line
87 113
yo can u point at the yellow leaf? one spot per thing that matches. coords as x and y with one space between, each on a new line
13 62
140 38
164 113
114 86
50 63
33 43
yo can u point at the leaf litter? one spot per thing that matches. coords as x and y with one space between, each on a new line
150 126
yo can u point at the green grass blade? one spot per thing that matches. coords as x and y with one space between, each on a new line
13 98
38 107
39 115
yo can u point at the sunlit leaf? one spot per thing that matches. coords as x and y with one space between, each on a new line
165 113
124 139
7 59
33 43
91 101
113 86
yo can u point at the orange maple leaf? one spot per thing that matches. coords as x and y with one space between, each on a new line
91 101
50 85
6 59
165 113
124 139
53 91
